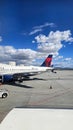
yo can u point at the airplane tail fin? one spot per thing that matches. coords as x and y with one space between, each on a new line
47 62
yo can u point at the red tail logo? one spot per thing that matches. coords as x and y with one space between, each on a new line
47 62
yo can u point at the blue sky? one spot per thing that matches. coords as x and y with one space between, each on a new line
32 29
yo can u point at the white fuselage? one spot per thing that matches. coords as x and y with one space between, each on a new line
8 69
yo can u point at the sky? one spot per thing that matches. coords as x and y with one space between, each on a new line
30 30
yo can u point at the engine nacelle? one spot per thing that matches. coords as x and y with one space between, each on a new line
9 78
6 78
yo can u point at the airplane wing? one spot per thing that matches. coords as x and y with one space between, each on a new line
38 119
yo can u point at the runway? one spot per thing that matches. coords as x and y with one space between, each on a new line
47 90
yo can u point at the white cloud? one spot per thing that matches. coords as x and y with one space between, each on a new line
60 61
44 25
20 56
9 53
53 42
33 41
40 28
58 57
65 64
35 31
68 59
69 43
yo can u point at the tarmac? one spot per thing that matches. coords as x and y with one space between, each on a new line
47 90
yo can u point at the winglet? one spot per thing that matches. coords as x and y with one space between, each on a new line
47 62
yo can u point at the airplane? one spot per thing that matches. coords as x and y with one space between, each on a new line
20 73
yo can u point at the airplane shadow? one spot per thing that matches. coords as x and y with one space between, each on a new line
19 85
35 79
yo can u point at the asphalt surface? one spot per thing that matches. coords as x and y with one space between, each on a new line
47 90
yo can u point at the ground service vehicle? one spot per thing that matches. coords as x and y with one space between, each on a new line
3 93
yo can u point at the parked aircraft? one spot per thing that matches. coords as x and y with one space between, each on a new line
20 73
